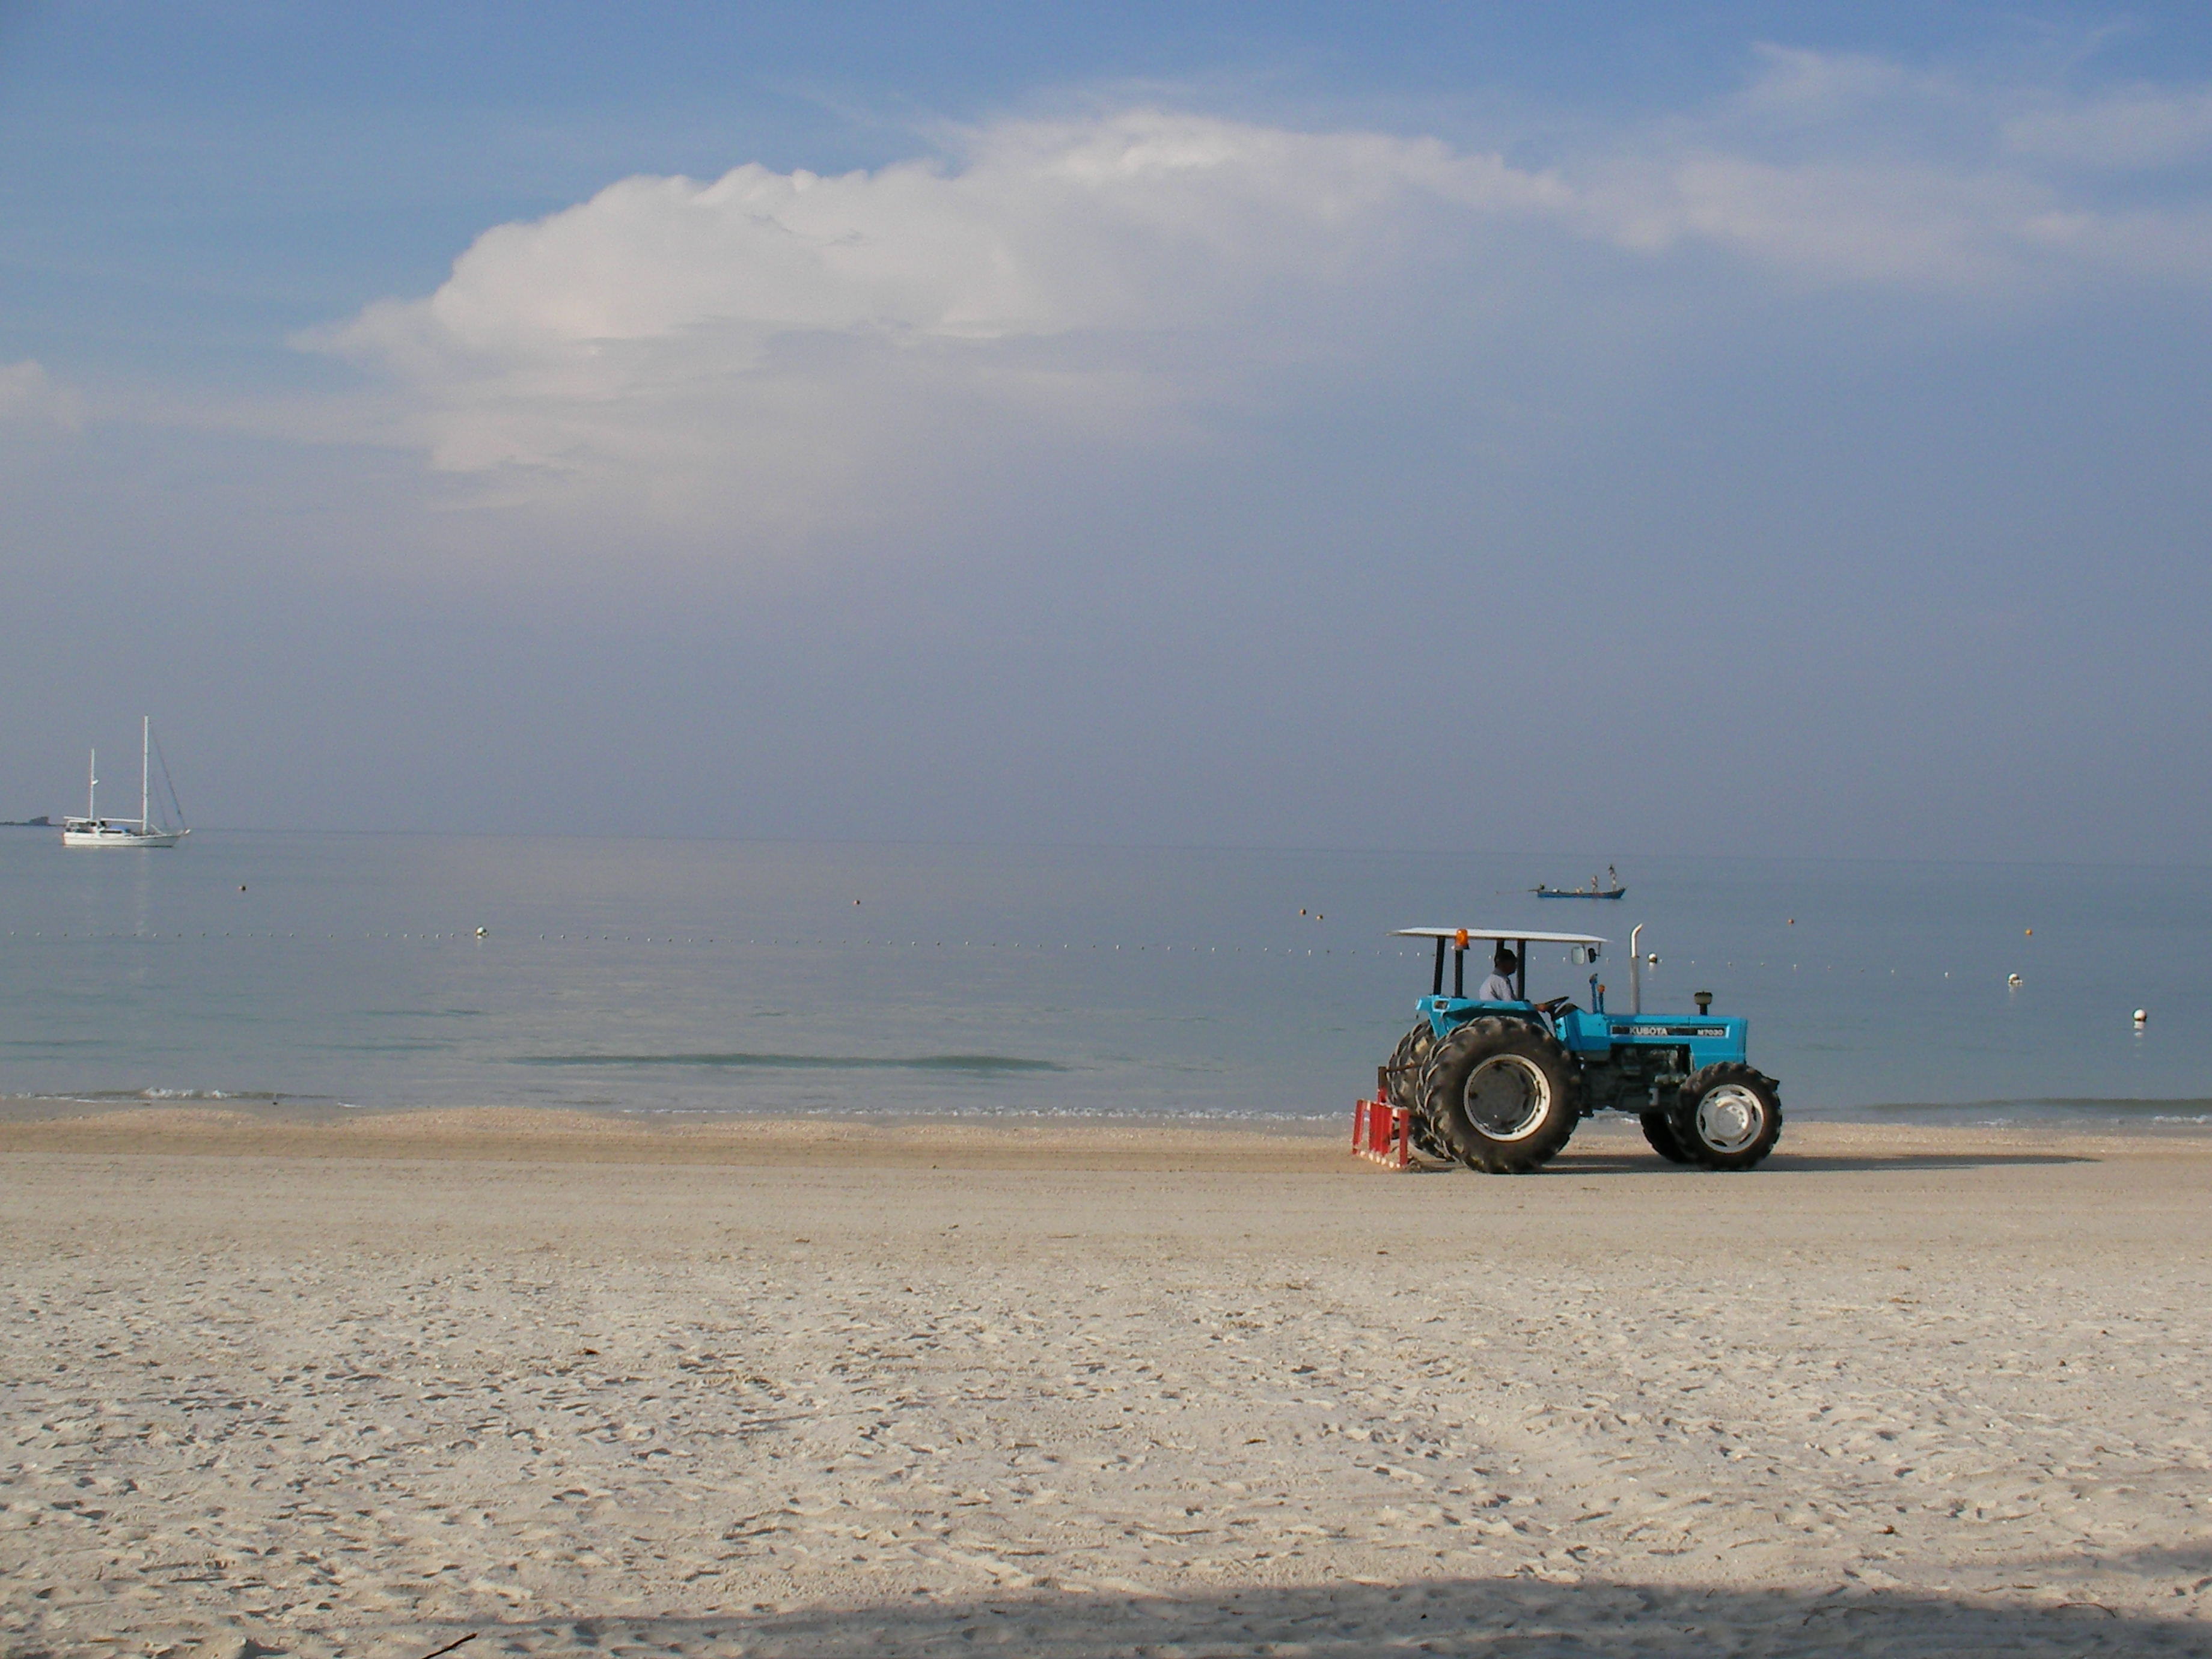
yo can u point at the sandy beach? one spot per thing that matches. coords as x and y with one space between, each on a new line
574 1384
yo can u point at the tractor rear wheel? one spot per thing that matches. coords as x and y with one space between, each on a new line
1503 1094
1660 1133
1729 1116
1407 1062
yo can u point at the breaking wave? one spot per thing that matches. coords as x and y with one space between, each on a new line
91 1096
2043 1109
958 1065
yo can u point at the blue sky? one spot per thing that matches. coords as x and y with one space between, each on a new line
1751 429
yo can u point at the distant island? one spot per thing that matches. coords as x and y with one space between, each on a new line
26 824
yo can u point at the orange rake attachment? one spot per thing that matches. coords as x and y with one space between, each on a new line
1381 1133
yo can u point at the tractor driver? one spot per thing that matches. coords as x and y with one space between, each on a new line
1499 987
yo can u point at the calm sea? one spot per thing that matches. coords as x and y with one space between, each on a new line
706 976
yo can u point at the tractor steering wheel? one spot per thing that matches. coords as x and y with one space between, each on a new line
1551 1008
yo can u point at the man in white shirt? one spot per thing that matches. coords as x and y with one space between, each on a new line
1499 987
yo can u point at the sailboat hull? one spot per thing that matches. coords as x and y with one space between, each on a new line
122 837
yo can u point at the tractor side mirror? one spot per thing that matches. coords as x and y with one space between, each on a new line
1584 954
1704 1000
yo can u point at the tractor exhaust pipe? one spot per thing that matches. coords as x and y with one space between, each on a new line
1635 972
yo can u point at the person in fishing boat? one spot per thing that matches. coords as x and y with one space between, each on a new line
1499 987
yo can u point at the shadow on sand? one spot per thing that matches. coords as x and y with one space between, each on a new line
1577 1162
1514 1616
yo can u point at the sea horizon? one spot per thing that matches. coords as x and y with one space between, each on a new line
659 975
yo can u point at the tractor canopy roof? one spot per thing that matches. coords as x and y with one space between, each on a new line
1522 935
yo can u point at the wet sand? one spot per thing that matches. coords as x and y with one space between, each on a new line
366 1386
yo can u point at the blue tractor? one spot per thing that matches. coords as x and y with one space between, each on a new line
1499 1082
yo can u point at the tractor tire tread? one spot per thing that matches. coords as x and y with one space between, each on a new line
1659 1134
1407 1062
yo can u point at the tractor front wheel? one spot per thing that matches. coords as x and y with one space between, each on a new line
1660 1131
1503 1094
1729 1116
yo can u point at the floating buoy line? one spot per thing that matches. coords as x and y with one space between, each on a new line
483 936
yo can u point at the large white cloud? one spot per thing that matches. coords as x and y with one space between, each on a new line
768 348
1142 220
778 330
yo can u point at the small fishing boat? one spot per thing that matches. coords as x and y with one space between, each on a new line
93 830
1610 889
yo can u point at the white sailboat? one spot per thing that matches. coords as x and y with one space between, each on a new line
93 830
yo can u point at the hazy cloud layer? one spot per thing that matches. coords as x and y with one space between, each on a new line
757 347
2141 127
30 397
1819 468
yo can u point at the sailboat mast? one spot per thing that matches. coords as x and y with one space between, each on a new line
92 785
145 751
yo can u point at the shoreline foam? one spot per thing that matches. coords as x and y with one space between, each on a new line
1134 1142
